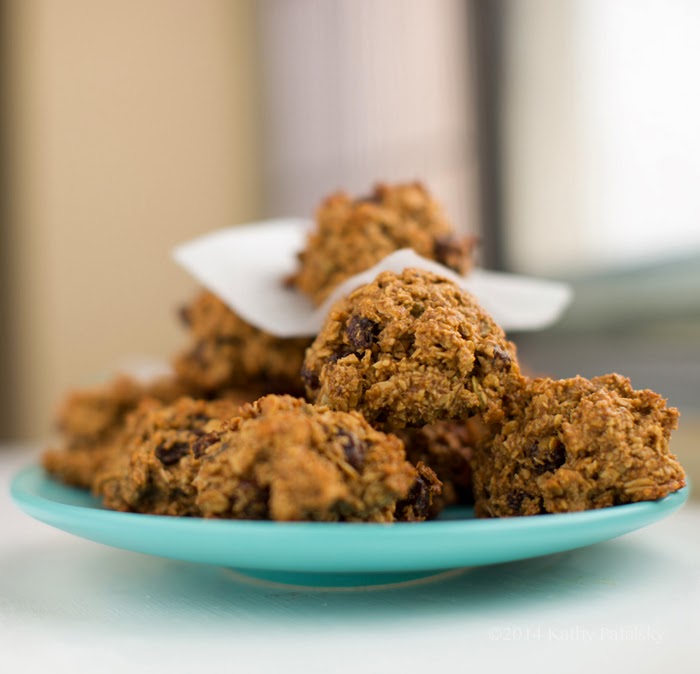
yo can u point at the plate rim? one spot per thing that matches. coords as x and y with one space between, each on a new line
379 537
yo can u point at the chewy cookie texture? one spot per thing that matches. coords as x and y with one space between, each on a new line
226 352
411 349
353 235
91 421
285 459
576 444
416 401
159 455
279 458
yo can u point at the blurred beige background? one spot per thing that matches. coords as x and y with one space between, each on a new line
134 127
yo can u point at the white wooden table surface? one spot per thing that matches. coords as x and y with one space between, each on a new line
70 605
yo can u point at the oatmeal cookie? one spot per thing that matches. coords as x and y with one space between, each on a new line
160 453
227 352
354 235
284 459
411 349
576 444
447 447
89 422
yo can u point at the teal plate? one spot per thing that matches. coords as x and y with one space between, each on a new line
332 554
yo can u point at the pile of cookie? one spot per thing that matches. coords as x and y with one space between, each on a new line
410 399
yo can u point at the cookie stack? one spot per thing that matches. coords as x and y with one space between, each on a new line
409 399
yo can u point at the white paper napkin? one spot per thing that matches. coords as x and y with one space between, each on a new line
246 265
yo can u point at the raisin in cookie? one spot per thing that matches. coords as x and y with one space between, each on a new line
284 459
576 444
411 349
226 351
447 448
90 422
161 449
354 235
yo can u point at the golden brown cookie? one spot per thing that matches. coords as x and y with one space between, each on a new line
284 459
159 456
575 444
411 349
89 422
353 235
226 352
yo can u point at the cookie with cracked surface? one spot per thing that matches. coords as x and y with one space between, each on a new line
577 444
411 349
161 450
353 235
227 352
284 459
89 422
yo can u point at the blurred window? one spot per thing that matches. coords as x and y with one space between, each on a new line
601 161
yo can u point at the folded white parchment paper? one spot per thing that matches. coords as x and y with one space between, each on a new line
246 266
